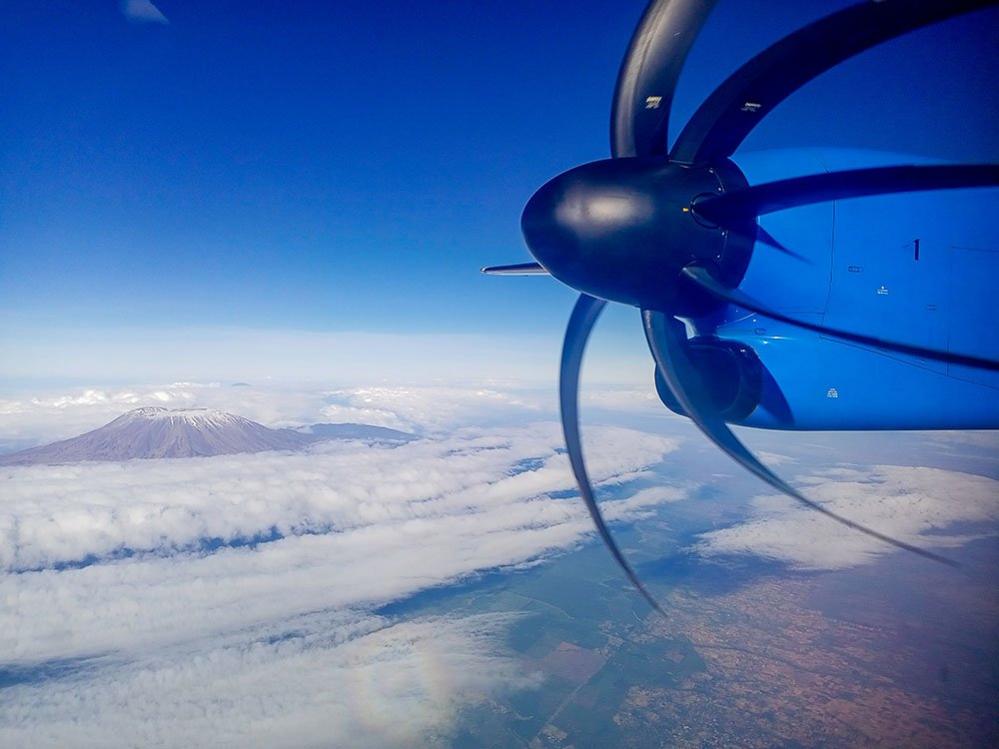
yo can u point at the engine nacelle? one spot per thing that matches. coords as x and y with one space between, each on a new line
732 373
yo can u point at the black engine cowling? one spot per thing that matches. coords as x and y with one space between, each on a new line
732 373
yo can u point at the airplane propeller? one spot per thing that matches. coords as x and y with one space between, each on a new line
671 231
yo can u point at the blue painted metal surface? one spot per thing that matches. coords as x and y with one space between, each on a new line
863 275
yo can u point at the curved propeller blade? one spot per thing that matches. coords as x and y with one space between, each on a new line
728 115
667 339
648 75
762 235
770 197
709 283
519 269
584 317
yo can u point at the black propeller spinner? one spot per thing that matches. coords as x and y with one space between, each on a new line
623 229
672 234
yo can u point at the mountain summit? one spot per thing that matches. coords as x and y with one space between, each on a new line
186 433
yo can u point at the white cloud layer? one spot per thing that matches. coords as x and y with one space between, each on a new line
133 612
180 644
63 514
51 415
317 681
910 504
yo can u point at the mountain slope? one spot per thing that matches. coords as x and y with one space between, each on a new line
349 431
165 433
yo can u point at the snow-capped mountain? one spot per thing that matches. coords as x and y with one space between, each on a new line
186 433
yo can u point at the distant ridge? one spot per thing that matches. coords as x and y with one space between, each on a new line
157 432
350 431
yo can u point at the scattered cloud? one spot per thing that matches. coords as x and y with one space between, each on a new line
435 408
142 11
915 505
988 440
774 459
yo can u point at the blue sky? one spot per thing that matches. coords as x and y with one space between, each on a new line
348 166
